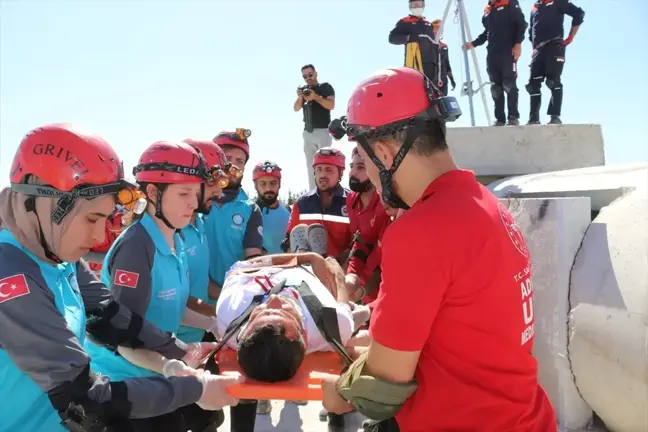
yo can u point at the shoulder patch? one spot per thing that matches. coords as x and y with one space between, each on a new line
513 230
13 287
126 279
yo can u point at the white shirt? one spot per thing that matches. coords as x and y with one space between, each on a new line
239 289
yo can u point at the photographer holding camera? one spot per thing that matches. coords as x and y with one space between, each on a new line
318 100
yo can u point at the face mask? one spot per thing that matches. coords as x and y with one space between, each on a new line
357 186
417 11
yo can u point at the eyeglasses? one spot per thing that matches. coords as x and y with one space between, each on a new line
308 75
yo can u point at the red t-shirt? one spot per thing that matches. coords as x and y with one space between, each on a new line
456 286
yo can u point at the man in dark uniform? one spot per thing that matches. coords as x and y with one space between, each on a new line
421 47
504 27
446 69
546 33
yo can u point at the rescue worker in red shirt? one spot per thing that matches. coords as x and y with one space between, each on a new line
368 220
452 329
97 254
326 204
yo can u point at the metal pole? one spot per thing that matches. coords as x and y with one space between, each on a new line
469 89
443 21
462 13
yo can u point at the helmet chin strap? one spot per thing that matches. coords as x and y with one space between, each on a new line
389 196
202 208
158 211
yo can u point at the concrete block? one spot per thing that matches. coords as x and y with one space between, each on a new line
507 151
602 184
554 229
609 319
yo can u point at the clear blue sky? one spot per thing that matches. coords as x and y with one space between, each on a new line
138 71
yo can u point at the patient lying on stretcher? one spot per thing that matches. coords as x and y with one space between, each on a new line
280 330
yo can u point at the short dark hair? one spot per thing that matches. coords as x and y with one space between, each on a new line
308 66
431 140
267 355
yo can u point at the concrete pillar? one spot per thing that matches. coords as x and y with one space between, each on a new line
609 320
554 229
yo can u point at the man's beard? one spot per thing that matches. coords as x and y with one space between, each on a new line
357 186
268 198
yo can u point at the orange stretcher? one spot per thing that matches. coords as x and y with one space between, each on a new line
305 385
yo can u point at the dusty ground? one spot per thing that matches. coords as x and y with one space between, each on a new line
289 417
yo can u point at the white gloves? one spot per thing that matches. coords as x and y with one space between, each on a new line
215 395
197 352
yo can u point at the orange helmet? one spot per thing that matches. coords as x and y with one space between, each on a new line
70 164
171 162
238 138
331 156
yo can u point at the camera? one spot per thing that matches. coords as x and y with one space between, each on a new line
306 90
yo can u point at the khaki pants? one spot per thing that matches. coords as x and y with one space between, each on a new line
314 141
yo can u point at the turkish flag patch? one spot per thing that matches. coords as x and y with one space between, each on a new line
12 287
126 279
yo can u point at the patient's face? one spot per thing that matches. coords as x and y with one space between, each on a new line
276 310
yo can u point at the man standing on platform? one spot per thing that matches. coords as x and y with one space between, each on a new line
504 28
548 60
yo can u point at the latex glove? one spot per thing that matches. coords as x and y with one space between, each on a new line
177 368
215 395
197 352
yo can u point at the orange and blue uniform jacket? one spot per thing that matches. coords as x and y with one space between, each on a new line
308 210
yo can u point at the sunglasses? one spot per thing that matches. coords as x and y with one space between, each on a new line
309 75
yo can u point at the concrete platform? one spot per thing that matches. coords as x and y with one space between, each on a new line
517 150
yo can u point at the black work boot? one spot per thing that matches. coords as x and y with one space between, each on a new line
533 121
555 120
513 121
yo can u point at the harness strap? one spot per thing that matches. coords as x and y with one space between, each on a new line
326 320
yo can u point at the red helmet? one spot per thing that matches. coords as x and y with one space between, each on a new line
171 162
266 168
213 154
238 138
331 156
69 163
388 97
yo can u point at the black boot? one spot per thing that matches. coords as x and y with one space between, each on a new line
555 120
